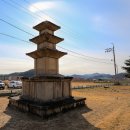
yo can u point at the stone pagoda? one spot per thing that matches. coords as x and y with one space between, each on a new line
48 91
48 84
46 57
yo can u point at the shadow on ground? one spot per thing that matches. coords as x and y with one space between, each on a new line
72 120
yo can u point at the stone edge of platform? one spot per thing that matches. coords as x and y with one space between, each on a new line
45 111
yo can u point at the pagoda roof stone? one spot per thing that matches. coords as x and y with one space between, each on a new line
46 25
46 37
46 52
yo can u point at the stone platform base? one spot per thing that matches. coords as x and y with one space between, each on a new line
46 109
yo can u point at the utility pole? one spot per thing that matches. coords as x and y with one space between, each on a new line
116 69
114 57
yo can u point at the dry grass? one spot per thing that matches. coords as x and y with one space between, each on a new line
110 107
106 109
75 84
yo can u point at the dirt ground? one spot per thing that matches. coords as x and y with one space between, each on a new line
106 109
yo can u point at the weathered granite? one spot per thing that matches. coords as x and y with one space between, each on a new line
48 92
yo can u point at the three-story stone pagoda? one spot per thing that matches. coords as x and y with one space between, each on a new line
48 91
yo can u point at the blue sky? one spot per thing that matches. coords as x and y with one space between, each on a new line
88 27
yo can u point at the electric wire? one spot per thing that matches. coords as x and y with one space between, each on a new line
33 35
7 35
43 12
15 26
38 16
69 35
59 46
21 9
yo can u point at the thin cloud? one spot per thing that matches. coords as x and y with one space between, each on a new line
38 6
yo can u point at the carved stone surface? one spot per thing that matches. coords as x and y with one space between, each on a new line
46 88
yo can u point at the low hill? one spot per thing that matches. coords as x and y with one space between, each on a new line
94 76
31 73
28 73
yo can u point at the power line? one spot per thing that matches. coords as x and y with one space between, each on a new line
14 2
37 16
14 37
84 57
88 59
43 12
58 46
71 32
16 20
33 35
26 11
81 54
15 26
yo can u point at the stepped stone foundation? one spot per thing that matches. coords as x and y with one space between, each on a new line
46 109
48 92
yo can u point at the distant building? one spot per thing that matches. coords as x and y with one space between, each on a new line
4 77
7 77
15 77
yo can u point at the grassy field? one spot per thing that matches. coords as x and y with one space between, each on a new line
106 109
